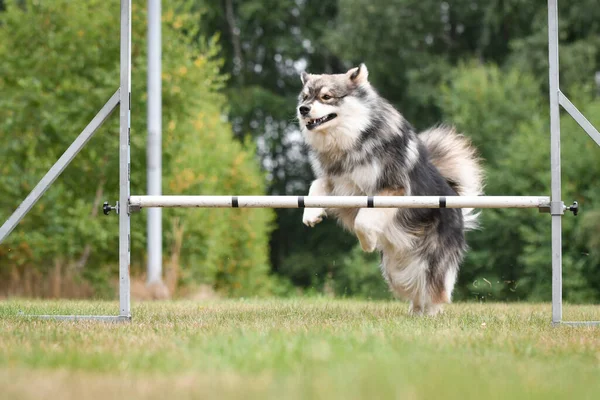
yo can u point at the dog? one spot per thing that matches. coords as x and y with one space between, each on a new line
360 145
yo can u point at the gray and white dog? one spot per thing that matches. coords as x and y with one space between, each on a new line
361 146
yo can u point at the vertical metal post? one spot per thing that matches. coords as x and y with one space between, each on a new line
154 162
556 208
124 161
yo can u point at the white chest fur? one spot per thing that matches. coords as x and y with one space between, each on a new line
362 180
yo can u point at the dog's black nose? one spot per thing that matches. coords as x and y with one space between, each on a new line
304 110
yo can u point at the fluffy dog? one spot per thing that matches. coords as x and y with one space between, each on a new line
360 145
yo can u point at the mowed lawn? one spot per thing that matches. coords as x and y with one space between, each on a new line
292 349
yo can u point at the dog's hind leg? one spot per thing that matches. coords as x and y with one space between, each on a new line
433 309
367 226
441 294
407 279
371 222
416 308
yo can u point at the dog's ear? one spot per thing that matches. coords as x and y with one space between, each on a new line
359 75
304 77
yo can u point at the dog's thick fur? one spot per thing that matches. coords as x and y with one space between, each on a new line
360 145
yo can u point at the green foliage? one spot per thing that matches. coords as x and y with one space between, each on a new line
510 256
414 47
324 269
490 105
59 66
579 35
274 38
359 275
411 48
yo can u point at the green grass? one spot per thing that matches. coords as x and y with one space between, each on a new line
318 349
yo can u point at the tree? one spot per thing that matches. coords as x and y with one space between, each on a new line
411 48
59 66
510 256
265 45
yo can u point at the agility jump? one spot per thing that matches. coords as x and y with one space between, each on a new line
128 204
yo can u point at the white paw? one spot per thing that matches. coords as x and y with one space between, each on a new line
367 237
434 309
428 309
312 216
415 309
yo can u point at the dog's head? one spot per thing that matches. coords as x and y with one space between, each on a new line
328 103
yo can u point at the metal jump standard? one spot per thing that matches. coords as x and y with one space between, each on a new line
128 204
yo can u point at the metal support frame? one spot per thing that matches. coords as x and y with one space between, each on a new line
124 163
128 204
555 163
557 206
121 97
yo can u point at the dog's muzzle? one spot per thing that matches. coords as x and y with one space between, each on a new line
313 123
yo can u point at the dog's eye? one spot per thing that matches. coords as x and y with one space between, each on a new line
326 97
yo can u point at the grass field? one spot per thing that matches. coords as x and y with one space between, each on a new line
318 349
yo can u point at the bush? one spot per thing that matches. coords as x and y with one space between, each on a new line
58 67
360 276
507 118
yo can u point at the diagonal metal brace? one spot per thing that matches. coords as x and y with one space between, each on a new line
579 117
59 166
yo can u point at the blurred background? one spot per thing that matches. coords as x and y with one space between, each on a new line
230 77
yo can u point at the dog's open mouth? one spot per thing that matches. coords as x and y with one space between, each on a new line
313 123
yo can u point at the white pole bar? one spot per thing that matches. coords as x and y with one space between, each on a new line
154 161
341 201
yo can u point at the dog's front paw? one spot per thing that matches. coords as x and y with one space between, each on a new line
312 216
367 236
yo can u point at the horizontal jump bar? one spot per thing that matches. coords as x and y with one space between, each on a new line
341 201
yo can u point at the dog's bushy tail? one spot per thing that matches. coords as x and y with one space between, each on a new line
456 159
